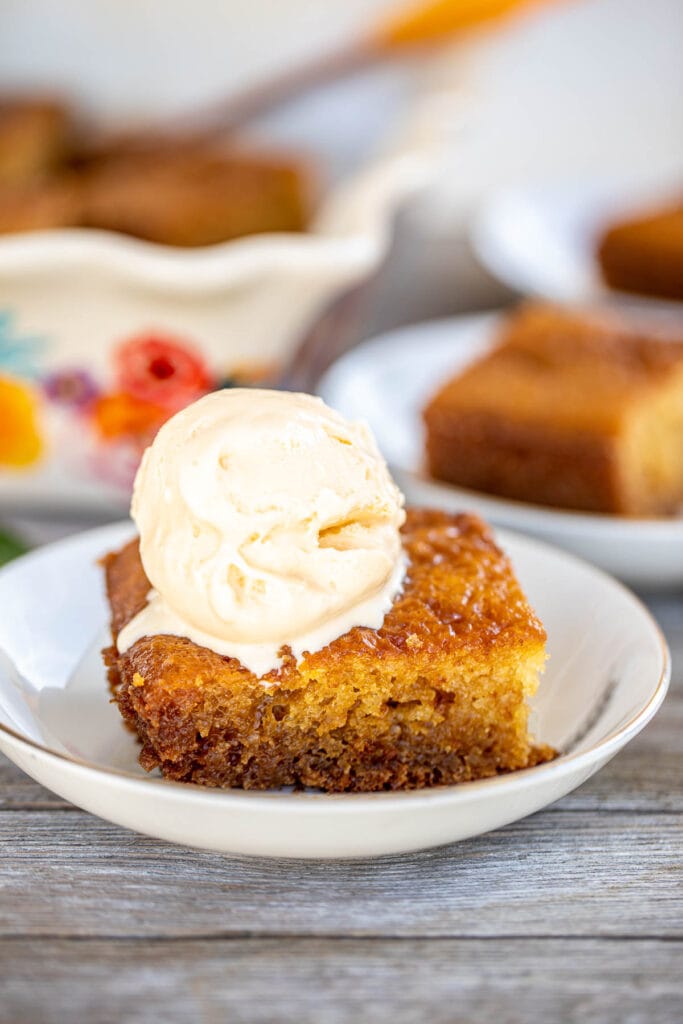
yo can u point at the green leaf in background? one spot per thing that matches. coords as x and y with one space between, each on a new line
10 547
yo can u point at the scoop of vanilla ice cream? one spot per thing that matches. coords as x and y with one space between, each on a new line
264 515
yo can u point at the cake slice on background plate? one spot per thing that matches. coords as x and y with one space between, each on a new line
644 254
571 409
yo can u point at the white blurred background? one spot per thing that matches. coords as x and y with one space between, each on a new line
581 88
570 86
566 91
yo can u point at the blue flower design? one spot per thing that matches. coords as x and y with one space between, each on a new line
19 354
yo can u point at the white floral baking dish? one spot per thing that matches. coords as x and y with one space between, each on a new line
102 336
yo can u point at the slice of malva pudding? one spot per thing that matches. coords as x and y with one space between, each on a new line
437 695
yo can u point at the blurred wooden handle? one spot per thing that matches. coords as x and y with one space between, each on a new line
439 20
421 23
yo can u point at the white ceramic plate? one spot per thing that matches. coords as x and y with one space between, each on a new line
388 380
607 675
542 241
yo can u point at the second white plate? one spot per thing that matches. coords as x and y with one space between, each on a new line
387 382
543 241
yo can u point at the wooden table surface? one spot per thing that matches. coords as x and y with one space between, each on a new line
572 915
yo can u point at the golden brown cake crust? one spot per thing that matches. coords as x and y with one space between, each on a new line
437 695
35 132
645 254
194 196
551 414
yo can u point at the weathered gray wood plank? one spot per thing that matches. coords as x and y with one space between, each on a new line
562 873
18 790
668 610
334 981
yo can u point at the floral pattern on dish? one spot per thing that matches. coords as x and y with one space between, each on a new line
20 354
100 426
21 444
162 371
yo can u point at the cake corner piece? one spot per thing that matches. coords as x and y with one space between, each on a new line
569 410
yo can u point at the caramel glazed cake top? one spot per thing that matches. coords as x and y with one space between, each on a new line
459 596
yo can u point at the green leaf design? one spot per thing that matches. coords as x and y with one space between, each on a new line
10 547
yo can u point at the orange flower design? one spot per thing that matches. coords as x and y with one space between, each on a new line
120 415
20 441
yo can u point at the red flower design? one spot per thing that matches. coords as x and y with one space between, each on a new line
165 372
